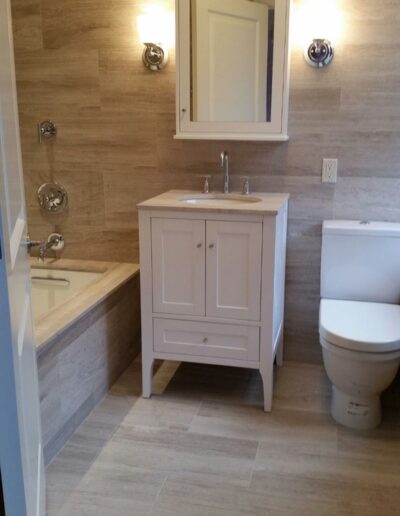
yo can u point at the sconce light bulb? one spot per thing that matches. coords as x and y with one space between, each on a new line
156 29
156 24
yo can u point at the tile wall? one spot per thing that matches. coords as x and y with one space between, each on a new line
78 63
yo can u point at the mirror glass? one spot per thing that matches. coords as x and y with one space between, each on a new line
231 60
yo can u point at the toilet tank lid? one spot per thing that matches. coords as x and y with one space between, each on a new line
360 227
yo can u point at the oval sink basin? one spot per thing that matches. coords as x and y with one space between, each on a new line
215 199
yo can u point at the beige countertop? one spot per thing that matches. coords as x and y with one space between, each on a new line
266 203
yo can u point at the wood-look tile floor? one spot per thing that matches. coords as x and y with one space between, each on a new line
202 446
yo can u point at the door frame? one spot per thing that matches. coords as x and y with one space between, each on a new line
10 450
15 490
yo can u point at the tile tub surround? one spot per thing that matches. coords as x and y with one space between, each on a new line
86 344
116 122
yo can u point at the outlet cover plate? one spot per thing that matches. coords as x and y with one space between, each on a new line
329 170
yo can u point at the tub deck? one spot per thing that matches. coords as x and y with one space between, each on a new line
56 321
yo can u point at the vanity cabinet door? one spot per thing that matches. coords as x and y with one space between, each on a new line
178 260
233 259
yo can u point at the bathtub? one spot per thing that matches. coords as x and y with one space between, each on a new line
87 326
52 287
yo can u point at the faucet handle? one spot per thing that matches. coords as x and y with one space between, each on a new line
206 183
246 185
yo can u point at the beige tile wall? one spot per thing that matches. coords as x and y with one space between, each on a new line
79 63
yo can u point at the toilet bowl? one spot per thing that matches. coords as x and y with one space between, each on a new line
359 322
361 353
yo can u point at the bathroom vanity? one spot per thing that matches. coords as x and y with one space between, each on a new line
212 270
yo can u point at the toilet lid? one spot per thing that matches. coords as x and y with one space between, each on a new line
360 326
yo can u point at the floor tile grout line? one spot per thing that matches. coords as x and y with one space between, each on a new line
161 488
195 415
253 464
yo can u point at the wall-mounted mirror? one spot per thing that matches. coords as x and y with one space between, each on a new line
232 69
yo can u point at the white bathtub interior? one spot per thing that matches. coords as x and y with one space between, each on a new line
51 287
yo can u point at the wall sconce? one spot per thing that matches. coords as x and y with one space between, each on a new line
320 53
318 26
156 29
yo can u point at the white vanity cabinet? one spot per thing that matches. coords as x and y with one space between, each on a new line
212 285
206 267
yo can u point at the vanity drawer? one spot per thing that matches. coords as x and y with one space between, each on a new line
207 339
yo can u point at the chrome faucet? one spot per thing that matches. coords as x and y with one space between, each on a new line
55 242
225 166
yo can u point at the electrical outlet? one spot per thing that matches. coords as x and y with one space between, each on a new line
329 170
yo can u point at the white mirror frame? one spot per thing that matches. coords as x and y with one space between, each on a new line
276 129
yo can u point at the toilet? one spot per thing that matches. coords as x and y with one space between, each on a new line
359 318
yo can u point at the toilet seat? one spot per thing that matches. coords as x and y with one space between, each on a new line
360 326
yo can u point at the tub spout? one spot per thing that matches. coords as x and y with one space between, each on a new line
55 242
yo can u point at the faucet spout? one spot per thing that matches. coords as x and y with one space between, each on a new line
55 242
225 166
43 248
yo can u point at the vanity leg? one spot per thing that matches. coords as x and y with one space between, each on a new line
267 375
147 376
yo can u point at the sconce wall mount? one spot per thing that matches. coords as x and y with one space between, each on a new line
155 57
320 53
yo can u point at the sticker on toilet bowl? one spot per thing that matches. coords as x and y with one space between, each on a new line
357 409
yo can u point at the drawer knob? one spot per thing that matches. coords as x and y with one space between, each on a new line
211 246
199 245
205 340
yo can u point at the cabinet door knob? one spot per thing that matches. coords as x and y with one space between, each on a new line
205 340
211 246
199 245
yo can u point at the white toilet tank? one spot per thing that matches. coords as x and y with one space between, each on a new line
360 261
